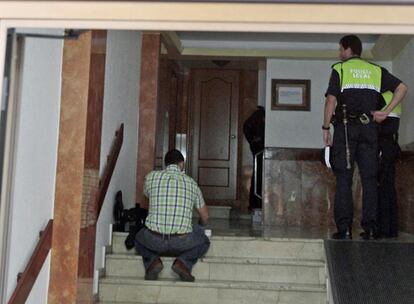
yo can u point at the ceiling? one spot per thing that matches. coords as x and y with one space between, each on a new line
191 45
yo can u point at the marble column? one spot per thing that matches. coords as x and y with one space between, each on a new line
77 178
148 99
70 170
91 167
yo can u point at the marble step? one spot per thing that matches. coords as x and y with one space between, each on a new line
246 247
227 269
131 290
117 302
216 212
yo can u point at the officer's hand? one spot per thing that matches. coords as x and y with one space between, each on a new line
379 116
327 139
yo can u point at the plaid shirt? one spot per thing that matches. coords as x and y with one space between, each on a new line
172 196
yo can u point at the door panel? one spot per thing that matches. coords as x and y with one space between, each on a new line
213 176
216 97
215 120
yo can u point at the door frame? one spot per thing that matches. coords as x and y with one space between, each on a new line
12 122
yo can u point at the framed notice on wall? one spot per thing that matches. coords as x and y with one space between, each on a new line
291 94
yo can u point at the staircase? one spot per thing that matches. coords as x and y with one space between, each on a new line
235 270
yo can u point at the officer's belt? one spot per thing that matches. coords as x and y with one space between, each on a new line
362 118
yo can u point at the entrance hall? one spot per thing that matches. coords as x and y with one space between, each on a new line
74 95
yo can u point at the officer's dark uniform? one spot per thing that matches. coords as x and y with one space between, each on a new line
389 151
357 84
253 129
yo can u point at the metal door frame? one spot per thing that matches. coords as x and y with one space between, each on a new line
12 104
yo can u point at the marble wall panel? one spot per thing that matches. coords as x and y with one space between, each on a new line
282 197
300 191
318 192
405 192
291 174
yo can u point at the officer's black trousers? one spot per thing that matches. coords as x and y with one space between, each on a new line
389 151
363 148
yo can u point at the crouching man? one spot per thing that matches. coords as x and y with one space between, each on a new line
172 196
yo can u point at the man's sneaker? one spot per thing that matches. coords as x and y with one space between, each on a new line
179 268
153 270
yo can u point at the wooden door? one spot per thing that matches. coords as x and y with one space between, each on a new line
215 114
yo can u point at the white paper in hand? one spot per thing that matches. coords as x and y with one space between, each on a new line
327 156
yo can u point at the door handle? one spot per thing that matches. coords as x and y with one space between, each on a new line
233 136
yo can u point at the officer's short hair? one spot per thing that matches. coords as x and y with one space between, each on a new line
173 157
353 42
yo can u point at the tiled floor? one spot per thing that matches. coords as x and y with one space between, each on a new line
221 227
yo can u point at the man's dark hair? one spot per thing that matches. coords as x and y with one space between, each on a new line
173 157
353 42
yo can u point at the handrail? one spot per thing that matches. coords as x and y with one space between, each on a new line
26 280
256 156
109 169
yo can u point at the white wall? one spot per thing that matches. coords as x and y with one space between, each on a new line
298 129
33 191
403 69
122 74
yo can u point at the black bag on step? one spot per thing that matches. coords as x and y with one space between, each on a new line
139 214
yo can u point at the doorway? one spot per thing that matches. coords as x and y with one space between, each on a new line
202 106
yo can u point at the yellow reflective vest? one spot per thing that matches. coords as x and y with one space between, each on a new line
356 73
396 112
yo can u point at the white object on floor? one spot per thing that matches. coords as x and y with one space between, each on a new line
257 216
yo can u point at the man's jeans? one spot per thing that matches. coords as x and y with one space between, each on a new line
188 248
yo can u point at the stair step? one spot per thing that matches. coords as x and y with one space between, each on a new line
117 302
228 269
230 246
130 290
216 212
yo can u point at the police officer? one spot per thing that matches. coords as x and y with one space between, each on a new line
354 92
389 151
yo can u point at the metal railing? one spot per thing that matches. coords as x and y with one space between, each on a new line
256 156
